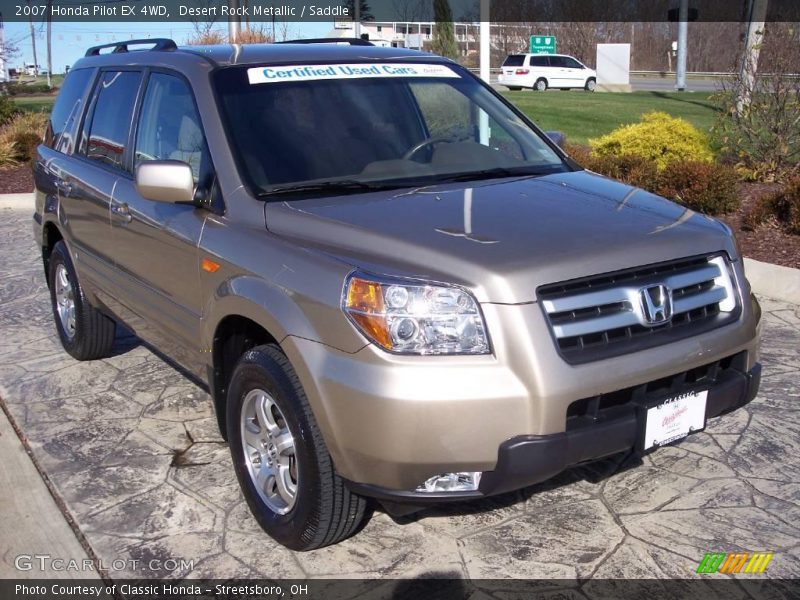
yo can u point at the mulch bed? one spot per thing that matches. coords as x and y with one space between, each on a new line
16 179
768 243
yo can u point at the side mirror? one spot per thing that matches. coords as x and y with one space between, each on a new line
165 181
557 137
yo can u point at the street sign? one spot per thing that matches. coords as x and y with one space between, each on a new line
543 44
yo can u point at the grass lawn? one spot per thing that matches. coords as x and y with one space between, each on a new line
34 103
578 114
581 115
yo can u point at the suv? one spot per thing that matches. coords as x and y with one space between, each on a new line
392 283
542 71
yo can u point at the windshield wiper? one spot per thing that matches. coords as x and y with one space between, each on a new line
496 172
344 186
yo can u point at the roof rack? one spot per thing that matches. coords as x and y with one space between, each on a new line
159 44
330 40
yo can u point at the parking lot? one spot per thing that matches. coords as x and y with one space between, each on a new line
131 449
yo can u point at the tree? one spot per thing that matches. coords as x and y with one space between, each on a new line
444 40
366 15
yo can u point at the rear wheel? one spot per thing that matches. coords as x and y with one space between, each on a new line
591 83
514 88
280 458
85 332
540 85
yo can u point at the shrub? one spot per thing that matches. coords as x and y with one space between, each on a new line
705 187
24 131
580 154
659 138
7 109
783 206
14 89
758 119
8 153
627 168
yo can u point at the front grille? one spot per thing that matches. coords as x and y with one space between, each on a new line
599 317
607 407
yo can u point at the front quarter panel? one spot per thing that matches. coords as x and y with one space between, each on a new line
287 289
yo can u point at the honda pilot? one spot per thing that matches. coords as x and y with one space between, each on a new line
392 283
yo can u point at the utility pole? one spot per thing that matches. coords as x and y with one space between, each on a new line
233 22
485 50
756 19
683 37
357 18
485 63
33 43
49 44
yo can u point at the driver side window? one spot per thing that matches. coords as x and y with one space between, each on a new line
170 127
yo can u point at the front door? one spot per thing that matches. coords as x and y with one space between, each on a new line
156 252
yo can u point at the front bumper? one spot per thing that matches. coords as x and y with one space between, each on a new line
529 459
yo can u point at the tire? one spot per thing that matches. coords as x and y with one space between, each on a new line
540 85
591 83
85 332
322 510
514 88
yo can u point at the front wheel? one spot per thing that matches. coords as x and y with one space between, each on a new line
591 83
283 467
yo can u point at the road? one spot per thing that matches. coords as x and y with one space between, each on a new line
657 84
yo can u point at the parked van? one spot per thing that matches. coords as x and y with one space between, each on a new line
542 71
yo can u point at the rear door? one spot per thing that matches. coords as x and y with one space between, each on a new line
539 66
156 243
91 175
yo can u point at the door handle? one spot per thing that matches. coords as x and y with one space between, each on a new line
122 211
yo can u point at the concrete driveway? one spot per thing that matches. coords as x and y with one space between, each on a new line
132 452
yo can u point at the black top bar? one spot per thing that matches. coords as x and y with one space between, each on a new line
351 41
164 44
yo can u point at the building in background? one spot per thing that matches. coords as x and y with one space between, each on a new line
407 34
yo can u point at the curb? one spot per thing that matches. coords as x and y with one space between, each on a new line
773 281
17 201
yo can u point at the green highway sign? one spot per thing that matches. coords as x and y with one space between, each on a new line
543 44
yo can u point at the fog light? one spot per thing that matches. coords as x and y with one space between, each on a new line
452 482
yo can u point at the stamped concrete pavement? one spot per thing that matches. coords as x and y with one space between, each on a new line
132 451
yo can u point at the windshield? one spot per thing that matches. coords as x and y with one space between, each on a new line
372 125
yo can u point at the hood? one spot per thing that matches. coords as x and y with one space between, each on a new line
501 238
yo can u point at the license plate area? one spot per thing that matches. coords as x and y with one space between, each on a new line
672 418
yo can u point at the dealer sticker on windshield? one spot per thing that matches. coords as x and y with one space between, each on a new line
346 71
675 418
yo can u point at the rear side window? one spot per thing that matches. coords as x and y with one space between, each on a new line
67 110
558 61
107 133
514 60
571 63
540 61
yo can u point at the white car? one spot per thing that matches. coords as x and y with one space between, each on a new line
542 71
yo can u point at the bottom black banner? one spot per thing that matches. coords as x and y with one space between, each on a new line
711 588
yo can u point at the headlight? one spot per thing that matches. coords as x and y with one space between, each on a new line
415 317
